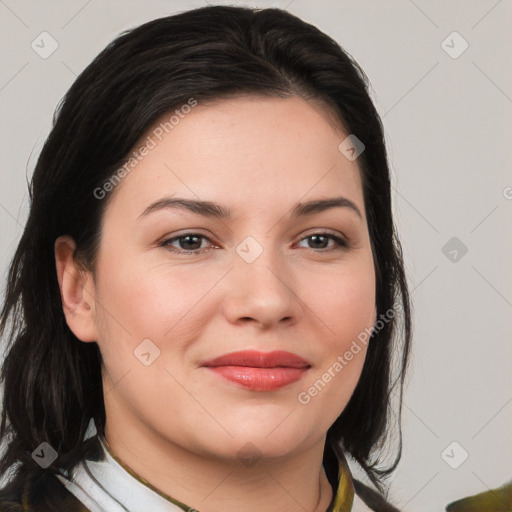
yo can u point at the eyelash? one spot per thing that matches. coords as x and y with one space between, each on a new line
342 244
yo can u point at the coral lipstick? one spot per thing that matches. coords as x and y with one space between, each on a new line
259 371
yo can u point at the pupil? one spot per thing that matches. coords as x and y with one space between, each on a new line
316 237
188 240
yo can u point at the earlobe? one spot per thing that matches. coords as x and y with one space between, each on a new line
76 290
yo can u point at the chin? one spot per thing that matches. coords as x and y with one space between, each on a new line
261 444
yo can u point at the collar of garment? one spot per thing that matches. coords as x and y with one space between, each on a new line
109 485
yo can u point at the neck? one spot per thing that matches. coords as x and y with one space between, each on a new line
209 484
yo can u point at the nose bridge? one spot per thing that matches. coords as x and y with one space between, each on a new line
262 289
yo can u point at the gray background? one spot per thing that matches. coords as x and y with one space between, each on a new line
448 127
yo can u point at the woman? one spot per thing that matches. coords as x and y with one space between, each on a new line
205 299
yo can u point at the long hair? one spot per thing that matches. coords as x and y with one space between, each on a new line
52 381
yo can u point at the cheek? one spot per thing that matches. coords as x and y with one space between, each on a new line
141 302
148 294
344 300
352 323
141 299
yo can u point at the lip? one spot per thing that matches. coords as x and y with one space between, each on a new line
255 359
259 371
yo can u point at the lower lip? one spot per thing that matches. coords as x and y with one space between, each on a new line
259 379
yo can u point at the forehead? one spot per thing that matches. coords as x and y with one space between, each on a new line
257 151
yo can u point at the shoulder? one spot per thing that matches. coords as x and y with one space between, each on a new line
370 497
38 492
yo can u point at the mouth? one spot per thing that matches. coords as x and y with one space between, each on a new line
259 371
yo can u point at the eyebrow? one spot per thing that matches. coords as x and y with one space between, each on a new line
215 210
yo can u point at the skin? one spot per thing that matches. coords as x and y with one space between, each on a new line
176 424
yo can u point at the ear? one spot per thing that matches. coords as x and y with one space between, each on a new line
76 290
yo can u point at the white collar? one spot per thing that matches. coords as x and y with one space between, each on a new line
105 486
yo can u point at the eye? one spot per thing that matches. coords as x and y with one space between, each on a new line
191 242
321 239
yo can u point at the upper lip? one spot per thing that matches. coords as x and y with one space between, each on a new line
255 359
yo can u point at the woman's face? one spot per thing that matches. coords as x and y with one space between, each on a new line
270 277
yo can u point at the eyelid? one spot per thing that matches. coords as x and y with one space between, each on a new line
325 231
165 241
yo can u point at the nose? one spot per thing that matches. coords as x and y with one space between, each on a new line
262 292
